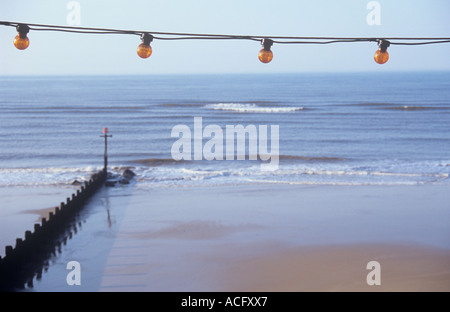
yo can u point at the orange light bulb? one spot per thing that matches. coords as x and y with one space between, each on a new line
381 57
144 50
265 56
21 43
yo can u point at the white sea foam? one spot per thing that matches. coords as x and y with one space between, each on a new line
330 183
44 176
203 174
251 108
295 174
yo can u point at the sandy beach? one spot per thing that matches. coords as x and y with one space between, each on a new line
257 238
282 238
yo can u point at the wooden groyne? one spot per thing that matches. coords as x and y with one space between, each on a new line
27 258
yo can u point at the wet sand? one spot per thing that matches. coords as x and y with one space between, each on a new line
341 268
282 238
246 238
21 207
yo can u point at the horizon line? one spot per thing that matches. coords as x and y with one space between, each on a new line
390 71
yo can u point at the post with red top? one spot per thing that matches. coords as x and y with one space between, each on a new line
106 135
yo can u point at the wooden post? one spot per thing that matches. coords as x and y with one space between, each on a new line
105 135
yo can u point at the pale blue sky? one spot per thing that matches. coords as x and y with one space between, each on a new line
63 53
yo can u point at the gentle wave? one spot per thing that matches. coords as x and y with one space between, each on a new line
438 176
181 104
155 162
415 108
158 172
44 176
165 176
369 104
397 106
49 170
312 158
329 183
251 108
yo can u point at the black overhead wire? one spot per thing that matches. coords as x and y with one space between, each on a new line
197 36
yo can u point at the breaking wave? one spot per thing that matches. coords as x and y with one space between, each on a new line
251 108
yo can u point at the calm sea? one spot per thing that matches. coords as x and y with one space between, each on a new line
349 129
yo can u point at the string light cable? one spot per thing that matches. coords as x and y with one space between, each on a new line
144 50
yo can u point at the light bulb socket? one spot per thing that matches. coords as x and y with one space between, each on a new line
267 43
23 30
383 45
146 38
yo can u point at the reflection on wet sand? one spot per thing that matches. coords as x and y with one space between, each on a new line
31 256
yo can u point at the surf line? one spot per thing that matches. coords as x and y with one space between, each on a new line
214 148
